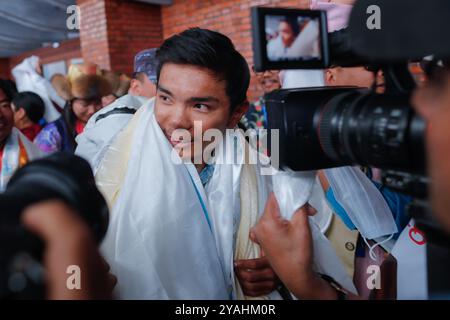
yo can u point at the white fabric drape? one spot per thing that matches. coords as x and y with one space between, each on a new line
27 79
11 155
170 238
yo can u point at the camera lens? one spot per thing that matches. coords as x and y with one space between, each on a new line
381 131
331 127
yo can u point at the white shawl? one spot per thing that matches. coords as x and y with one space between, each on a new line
27 79
170 240
11 155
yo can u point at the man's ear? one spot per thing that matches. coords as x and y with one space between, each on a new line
134 86
330 77
20 113
237 114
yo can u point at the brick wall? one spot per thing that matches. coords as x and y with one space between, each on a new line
113 31
5 72
230 17
94 33
66 51
132 27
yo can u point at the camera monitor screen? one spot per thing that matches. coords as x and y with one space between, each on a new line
289 38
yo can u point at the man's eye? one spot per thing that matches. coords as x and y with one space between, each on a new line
201 107
164 98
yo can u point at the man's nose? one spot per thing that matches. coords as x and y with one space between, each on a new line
179 118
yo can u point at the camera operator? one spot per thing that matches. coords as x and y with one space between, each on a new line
360 77
432 101
288 247
68 241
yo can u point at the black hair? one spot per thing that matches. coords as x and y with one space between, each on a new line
213 51
32 103
9 88
293 23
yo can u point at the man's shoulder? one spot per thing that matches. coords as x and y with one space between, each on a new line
128 104
104 126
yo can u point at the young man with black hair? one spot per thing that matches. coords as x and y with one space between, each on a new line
28 108
180 223
167 237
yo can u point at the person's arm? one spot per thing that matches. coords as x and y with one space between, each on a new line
68 241
288 248
256 277
48 140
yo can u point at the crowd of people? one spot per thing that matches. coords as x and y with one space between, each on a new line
209 229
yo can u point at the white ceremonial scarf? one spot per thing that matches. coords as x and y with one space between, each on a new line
11 155
159 243
169 240
27 79
104 125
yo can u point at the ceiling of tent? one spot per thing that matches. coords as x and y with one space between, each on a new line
29 24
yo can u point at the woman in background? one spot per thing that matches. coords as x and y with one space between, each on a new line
87 91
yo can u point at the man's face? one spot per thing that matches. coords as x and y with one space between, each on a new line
84 109
286 33
433 103
6 117
143 87
269 81
356 76
187 94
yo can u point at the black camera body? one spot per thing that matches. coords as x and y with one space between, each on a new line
62 177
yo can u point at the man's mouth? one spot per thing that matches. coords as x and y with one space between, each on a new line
179 143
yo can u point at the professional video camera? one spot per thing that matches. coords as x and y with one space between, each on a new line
62 177
336 126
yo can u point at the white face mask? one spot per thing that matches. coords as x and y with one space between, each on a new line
362 201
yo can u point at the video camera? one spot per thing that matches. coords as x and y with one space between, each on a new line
329 127
338 126
62 177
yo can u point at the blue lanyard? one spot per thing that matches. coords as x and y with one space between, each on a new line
205 212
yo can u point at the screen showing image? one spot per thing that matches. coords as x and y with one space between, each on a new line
292 38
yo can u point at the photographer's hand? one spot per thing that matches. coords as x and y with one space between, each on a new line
288 247
68 241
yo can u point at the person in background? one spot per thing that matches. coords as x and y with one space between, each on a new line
28 76
15 149
255 117
28 108
87 92
119 85
106 123
432 102
61 85
143 83
364 77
